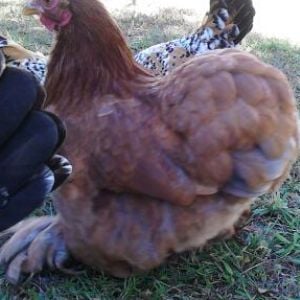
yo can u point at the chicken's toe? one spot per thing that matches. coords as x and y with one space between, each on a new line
37 252
22 236
13 271
57 254
38 243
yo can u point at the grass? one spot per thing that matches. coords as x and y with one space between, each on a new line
261 262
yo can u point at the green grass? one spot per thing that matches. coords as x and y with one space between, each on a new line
261 262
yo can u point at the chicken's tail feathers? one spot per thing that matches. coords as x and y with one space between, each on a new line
242 14
231 20
255 174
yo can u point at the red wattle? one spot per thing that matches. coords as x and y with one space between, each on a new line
50 25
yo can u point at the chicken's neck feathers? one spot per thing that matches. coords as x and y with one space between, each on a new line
91 57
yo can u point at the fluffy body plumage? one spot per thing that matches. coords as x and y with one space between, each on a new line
161 165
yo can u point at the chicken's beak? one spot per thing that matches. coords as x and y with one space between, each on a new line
32 8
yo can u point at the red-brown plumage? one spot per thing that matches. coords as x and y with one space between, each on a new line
102 64
161 165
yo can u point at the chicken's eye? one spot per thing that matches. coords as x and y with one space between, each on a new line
50 3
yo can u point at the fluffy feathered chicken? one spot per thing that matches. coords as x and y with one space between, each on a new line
224 26
20 57
161 164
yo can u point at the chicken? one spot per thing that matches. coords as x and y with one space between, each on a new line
161 164
224 26
19 57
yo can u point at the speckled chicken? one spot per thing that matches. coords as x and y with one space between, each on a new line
161 164
224 26
20 57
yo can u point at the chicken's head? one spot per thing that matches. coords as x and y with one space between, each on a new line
54 14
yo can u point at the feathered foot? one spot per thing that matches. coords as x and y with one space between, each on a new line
229 232
34 243
243 220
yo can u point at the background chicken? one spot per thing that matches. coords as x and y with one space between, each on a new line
19 57
161 165
224 26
